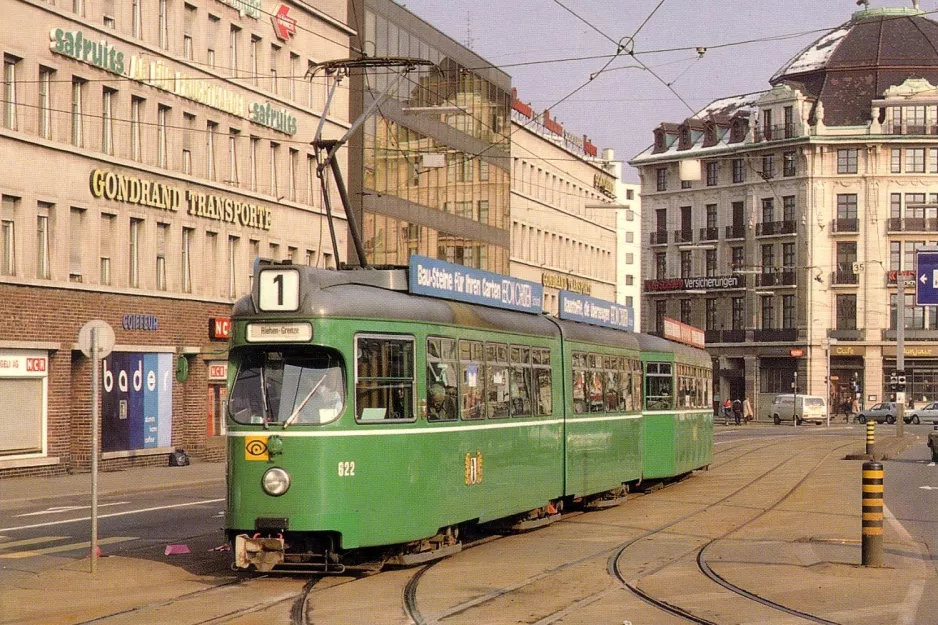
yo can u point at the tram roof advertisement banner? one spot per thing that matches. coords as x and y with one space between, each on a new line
437 278
597 312
137 403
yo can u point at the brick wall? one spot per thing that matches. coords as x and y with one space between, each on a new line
53 315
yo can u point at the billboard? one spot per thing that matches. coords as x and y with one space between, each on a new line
137 401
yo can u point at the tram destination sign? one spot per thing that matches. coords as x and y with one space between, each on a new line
597 312
437 278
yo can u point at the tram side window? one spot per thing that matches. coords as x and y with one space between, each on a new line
472 382
625 385
522 383
595 383
637 384
659 386
579 382
611 366
384 385
497 383
542 381
442 386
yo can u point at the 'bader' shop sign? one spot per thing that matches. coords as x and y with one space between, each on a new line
101 54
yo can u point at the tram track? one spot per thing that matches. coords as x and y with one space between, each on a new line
703 566
612 555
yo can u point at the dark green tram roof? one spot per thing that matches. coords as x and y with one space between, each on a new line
682 353
382 294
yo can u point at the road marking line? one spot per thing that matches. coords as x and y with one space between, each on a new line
30 541
18 555
61 509
113 514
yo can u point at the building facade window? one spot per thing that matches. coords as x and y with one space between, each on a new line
686 268
788 208
846 206
739 170
661 311
233 266
163 25
895 161
234 35
712 174
233 156
711 314
768 166
915 160
739 313
768 258
711 263
76 243
45 102
78 115
162 234
10 100
43 242
738 263
788 164
274 152
8 235
847 312
136 19
847 161
211 128
162 135
186 259
136 133
107 120
661 179
133 256
107 235
661 265
768 312
788 312
788 255
768 210
686 311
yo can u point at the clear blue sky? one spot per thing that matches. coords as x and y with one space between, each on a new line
620 109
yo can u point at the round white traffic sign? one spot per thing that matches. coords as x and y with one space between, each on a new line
105 338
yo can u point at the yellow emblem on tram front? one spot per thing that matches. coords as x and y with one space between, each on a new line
473 468
255 448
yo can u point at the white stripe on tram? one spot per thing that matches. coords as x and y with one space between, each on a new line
391 430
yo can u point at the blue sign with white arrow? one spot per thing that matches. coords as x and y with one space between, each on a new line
926 276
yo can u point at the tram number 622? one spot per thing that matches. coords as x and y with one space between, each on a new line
347 469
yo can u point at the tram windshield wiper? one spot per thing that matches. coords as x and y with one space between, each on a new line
296 411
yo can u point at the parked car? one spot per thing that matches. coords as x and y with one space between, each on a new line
928 412
808 408
880 413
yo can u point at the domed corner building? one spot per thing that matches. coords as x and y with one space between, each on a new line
780 221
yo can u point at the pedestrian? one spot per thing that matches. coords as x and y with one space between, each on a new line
747 411
854 408
737 411
727 411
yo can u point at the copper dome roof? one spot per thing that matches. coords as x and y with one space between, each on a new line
851 66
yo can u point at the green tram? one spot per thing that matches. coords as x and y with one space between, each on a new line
366 422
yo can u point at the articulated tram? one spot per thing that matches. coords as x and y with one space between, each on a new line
366 421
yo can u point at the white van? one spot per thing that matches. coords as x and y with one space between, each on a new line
808 408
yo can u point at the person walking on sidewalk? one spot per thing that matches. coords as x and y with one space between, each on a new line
727 411
737 411
747 411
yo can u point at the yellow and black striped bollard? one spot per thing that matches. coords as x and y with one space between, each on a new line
870 437
872 554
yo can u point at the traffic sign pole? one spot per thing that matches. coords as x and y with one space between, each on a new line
94 449
900 354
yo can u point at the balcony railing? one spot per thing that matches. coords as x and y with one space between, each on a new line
912 224
847 335
775 227
845 226
659 238
709 234
736 232
774 133
844 276
778 277
775 336
917 334
725 336
910 129
684 236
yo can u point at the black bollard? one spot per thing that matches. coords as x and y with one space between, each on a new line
872 554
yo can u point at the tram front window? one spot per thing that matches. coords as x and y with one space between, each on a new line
287 388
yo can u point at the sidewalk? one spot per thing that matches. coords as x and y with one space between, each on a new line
19 490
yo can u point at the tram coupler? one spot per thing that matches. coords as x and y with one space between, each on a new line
263 552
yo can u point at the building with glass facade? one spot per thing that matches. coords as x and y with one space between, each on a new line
429 173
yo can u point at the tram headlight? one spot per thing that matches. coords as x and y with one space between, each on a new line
276 481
